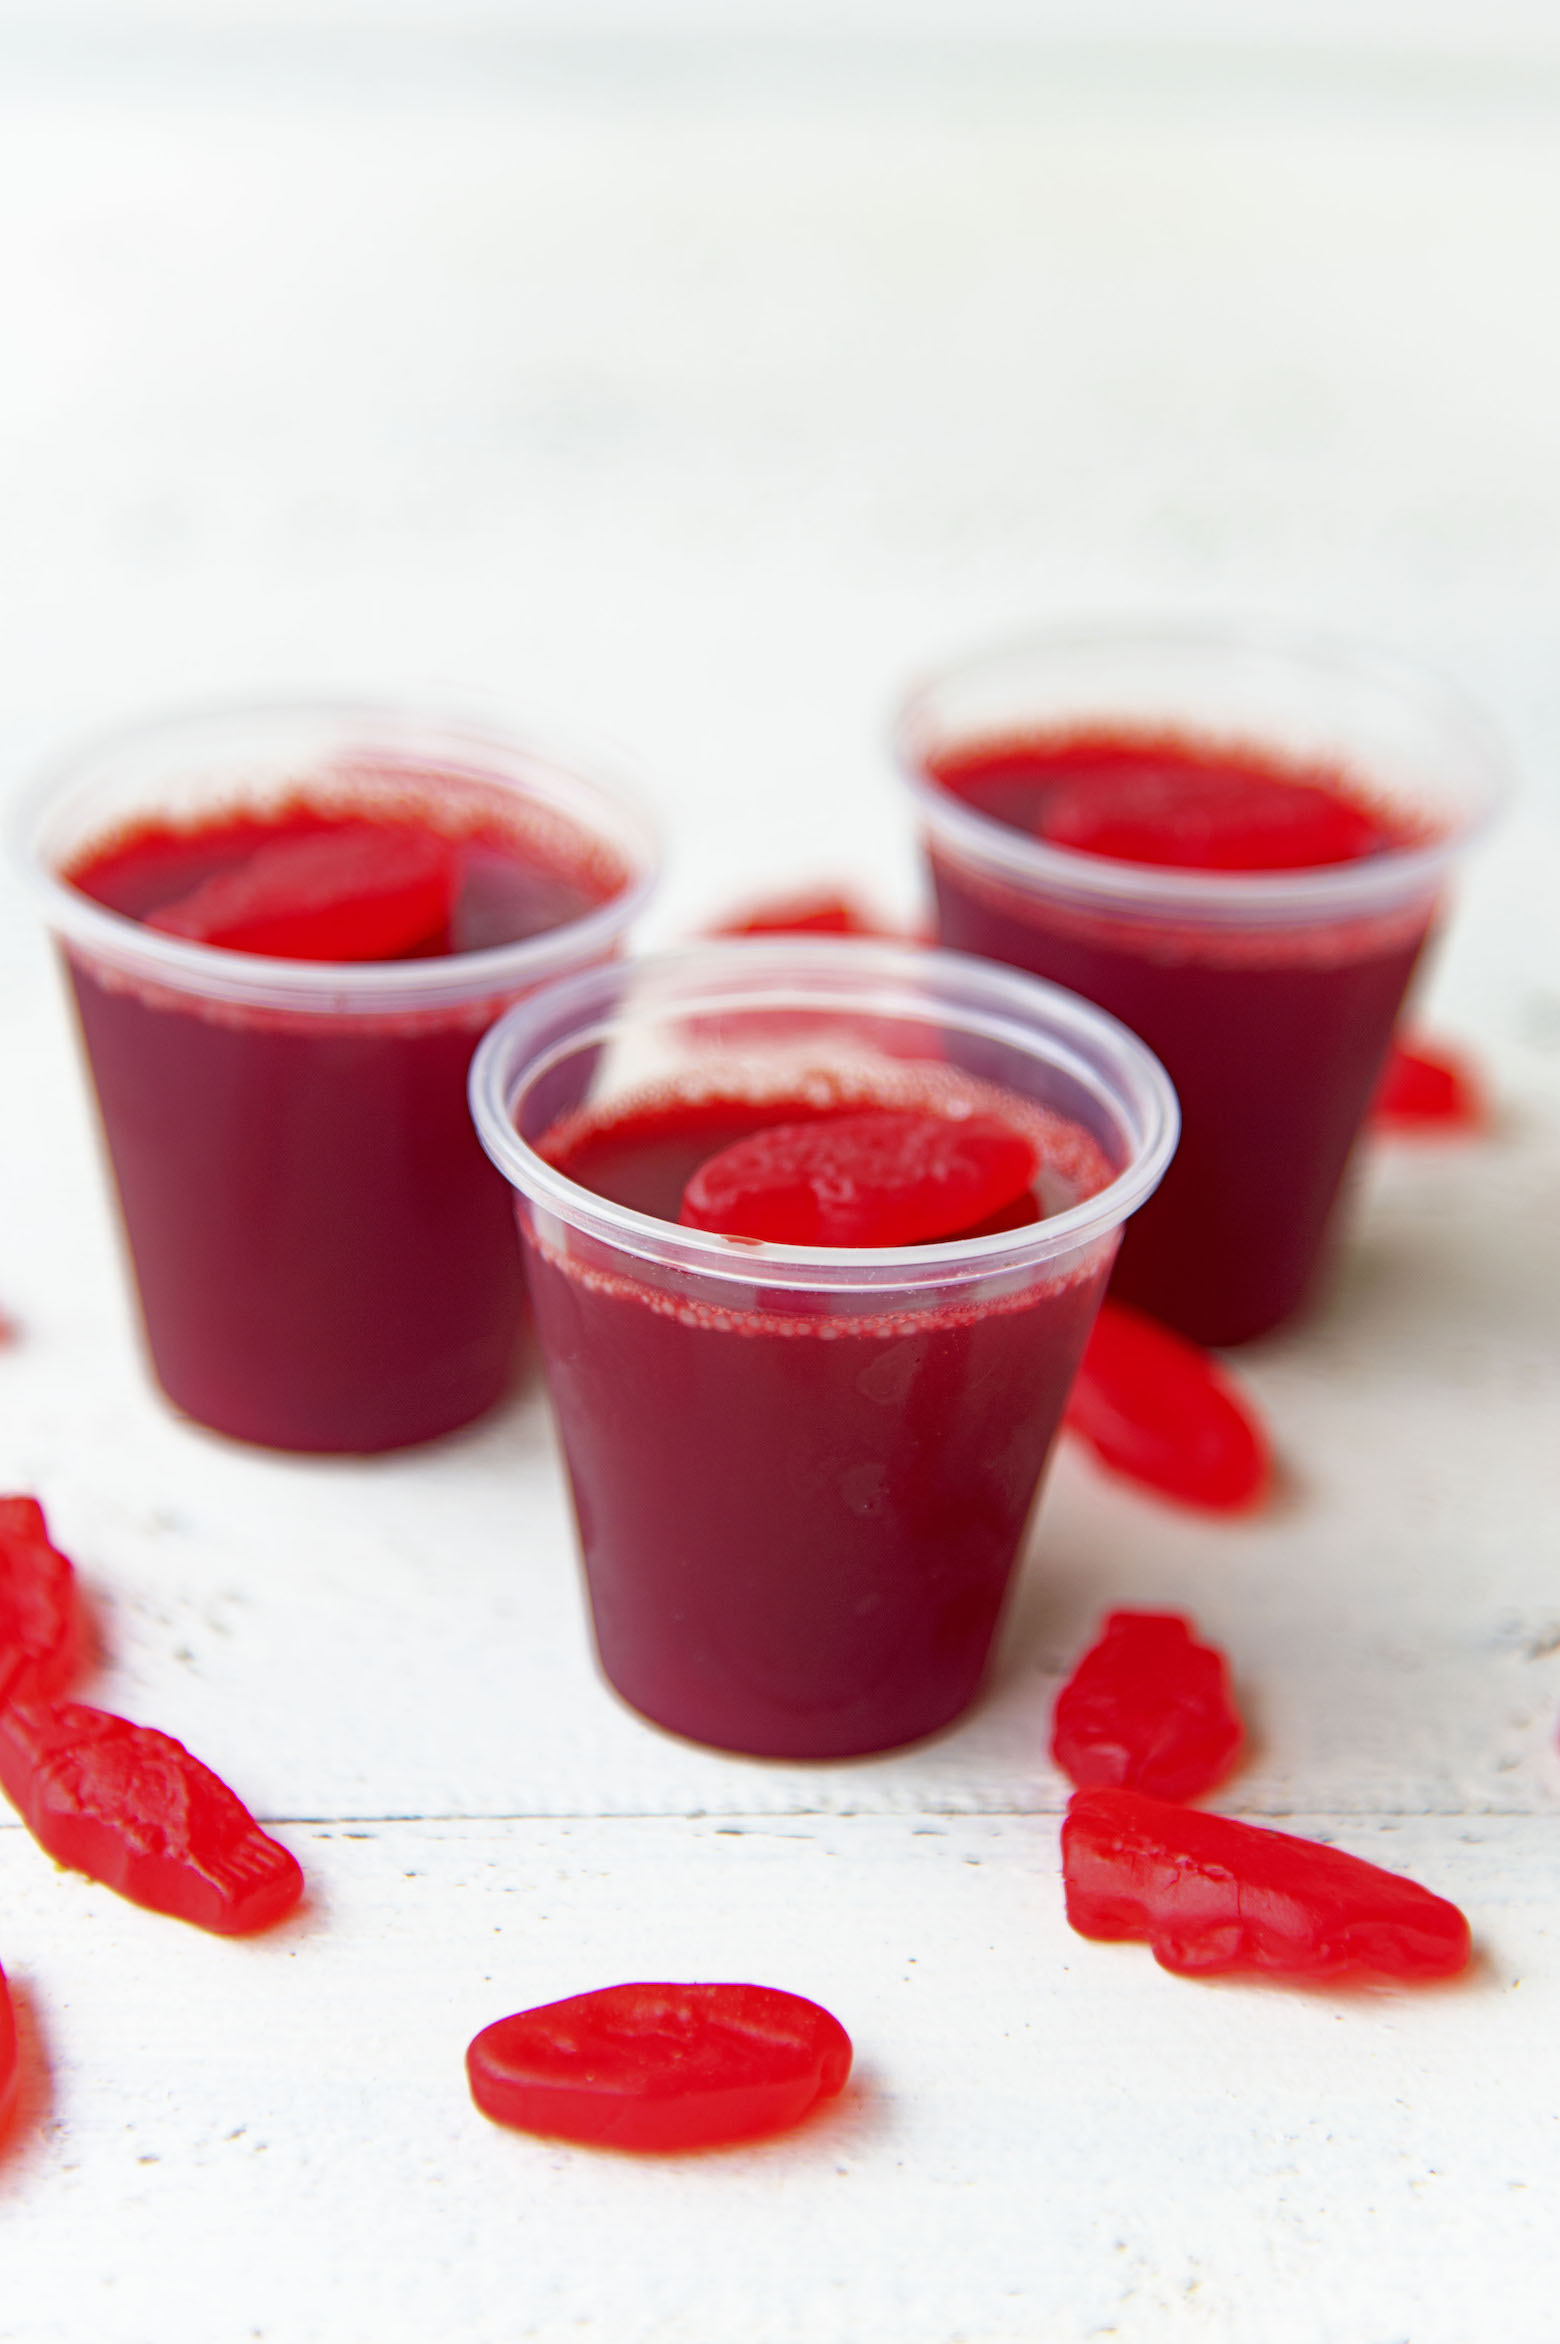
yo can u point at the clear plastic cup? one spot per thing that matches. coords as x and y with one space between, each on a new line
1270 996
802 1474
323 1257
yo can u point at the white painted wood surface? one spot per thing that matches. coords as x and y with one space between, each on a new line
687 397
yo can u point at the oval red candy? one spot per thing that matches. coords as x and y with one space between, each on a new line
1159 1410
892 1177
658 2066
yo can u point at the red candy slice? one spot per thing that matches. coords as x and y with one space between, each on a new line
40 1621
1205 817
660 2067
1429 1089
129 1806
893 1177
813 911
1146 1709
7 2055
1155 1407
358 891
1211 1894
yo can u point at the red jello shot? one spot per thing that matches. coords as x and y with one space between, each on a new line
1238 843
285 929
802 1471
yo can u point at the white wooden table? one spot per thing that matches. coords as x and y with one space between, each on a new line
687 397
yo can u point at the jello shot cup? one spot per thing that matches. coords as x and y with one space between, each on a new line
1269 994
802 1473
324 1258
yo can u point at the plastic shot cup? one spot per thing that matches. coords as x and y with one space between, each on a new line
1270 996
324 1259
802 1475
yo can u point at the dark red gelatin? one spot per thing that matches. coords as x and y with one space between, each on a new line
1147 1709
324 1256
798 1517
1211 1894
660 2067
1273 1038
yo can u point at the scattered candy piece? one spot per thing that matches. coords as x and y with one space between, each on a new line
40 1620
1206 817
888 1178
7 2054
129 1806
357 891
1430 1089
1146 1709
660 2066
1210 1894
1157 1408
811 911
825 910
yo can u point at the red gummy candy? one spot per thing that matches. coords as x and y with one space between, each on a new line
40 1621
1428 1088
888 1178
1155 1407
1206 817
7 2054
1210 1894
660 2066
1146 1709
129 1806
813 911
357 891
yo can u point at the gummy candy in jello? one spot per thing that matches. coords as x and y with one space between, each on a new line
888 1178
353 891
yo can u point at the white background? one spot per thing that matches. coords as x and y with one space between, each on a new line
683 379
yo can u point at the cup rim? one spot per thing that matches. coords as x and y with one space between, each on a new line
1248 899
800 973
585 788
